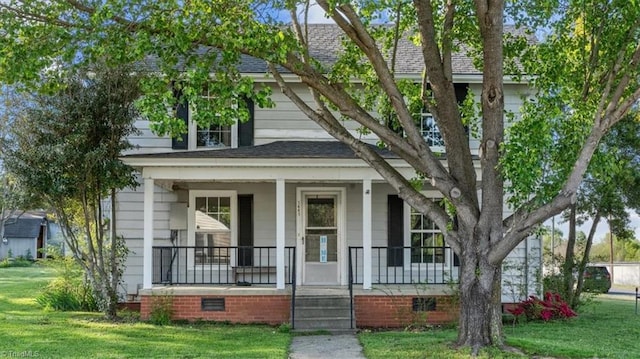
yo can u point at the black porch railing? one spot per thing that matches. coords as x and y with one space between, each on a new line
405 265
220 265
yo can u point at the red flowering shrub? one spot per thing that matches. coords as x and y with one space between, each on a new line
552 307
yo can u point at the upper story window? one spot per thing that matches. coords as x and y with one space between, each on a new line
430 131
214 136
428 128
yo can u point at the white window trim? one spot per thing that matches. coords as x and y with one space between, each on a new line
191 221
448 255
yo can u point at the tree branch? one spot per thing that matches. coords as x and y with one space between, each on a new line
358 33
405 190
445 109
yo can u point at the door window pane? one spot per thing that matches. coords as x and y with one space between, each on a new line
213 232
321 212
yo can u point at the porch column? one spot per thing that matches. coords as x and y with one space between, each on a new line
147 246
366 233
280 260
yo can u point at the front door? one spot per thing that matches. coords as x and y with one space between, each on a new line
320 241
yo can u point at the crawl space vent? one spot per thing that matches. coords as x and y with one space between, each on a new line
427 304
212 304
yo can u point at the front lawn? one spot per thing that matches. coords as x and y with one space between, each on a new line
26 330
607 328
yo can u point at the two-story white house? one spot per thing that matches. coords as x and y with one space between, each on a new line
251 222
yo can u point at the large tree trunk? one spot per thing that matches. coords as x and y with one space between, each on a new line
480 302
114 273
585 259
569 258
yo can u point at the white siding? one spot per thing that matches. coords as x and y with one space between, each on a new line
522 271
129 214
285 122
146 141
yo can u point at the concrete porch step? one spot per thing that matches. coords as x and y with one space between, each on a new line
322 312
323 323
319 312
322 301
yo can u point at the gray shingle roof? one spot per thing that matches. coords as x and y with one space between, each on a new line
325 46
275 150
26 226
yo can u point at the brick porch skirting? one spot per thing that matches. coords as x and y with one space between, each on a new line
371 311
390 311
268 309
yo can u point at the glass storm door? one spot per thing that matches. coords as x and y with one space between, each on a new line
320 241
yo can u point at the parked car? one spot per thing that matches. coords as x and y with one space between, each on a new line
596 279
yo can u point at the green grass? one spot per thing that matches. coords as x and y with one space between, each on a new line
26 329
606 328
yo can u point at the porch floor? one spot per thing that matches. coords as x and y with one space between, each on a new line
216 290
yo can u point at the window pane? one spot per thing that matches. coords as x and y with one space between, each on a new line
416 220
225 218
424 237
430 130
428 240
201 204
212 204
214 136
416 239
438 239
320 212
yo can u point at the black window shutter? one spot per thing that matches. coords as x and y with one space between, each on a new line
182 142
461 90
395 230
245 129
245 229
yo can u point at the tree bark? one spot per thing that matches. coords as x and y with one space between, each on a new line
585 259
569 258
480 302
112 308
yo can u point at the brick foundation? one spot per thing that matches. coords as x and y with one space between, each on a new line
269 309
386 311
371 311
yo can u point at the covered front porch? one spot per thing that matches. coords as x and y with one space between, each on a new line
237 229
321 216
